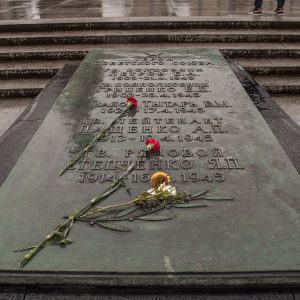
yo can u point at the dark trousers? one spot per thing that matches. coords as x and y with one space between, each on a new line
258 3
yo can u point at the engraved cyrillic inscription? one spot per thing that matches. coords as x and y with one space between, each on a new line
176 105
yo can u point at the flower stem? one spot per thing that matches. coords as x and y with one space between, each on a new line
93 143
61 232
100 209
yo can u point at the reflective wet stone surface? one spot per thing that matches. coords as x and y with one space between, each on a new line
42 9
291 105
214 139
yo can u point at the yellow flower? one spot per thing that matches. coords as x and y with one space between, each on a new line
159 178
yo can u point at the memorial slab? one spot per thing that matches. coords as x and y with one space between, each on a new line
212 138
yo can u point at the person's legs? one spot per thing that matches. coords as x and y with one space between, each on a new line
279 9
280 3
257 8
258 3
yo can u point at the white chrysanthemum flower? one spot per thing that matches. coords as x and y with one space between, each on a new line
163 188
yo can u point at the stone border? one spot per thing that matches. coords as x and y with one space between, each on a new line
283 127
16 138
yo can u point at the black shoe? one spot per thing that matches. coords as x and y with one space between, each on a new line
278 11
256 11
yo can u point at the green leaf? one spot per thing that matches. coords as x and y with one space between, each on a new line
218 198
65 242
126 212
154 218
189 205
112 226
199 194
25 249
59 235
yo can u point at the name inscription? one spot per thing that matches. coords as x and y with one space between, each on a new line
176 105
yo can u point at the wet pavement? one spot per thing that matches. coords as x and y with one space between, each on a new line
57 9
291 105
9 111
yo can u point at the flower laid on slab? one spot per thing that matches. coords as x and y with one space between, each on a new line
158 178
152 144
131 103
162 187
148 205
160 181
59 236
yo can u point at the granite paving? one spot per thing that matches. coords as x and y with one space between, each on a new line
60 293
10 109
291 105
91 294
61 9
12 292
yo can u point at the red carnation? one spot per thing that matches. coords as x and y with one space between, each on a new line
131 101
153 145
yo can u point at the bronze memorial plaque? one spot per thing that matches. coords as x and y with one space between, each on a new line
242 229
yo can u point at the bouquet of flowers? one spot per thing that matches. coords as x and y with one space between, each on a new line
59 235
145 206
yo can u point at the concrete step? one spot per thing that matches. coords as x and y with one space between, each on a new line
151 36
33 51
14 88
78 51
31 69
274 84
204 22
264 66
48 68
148 32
